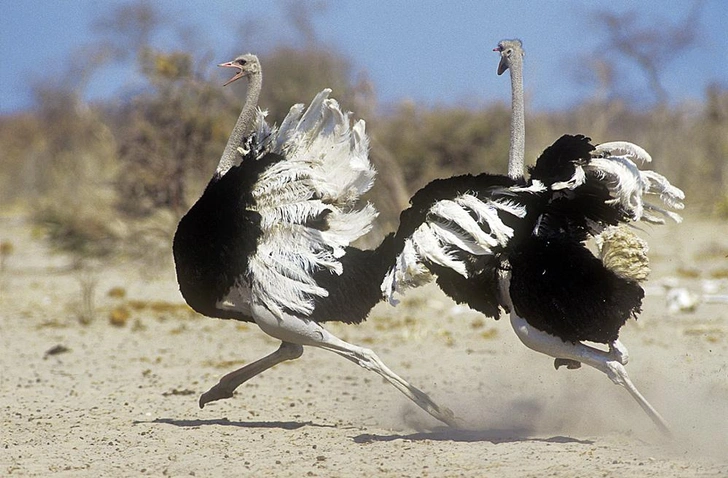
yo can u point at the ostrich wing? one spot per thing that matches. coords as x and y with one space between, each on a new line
591 188
631 187
455 229
307 202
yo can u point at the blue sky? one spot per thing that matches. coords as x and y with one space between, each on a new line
427 51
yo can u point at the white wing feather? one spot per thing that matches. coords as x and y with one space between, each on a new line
467 225
325 171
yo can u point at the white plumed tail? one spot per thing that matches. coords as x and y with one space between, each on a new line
308 201
614 164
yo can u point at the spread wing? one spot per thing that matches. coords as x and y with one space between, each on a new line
458 229
307 201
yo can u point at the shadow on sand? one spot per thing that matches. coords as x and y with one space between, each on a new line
447 434
441 434
227 423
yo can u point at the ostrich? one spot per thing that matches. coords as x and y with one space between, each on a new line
577 293
501 242
268 240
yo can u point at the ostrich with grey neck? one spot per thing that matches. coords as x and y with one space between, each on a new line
269 240
541 311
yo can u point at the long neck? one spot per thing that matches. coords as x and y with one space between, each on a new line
518 121
229 156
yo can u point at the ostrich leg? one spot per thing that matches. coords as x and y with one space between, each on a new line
292 329
611 363
227 384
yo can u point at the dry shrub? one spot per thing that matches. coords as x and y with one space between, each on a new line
20 143
441 142
75 195
168 136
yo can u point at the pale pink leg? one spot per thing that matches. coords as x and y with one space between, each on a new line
611 363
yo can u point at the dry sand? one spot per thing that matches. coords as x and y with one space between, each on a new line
106 400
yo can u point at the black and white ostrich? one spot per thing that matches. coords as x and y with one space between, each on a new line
501 242
269 239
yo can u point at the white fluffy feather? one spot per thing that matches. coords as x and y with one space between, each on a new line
325 172
629 149
431 248
456 213
630 186
407 272
575 181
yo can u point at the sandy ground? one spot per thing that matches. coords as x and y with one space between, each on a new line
121 400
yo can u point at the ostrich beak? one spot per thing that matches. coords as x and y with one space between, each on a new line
237 76
502 65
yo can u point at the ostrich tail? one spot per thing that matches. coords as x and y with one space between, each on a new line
632 188
624 253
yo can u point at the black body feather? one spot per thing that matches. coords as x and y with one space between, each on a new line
217 235
215 239
357 290
558 162
559 287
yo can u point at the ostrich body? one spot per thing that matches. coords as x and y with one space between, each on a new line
268 240
507 243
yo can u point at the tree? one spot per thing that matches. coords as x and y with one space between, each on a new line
652 48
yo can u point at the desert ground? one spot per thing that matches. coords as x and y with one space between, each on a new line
103 364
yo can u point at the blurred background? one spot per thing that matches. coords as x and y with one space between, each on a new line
113 115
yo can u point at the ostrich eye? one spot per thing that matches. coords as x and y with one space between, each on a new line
242 62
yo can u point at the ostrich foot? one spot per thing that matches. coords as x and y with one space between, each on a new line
609 362
219 392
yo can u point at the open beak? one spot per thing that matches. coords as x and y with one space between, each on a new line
237 76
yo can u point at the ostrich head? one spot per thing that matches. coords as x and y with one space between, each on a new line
511 52
247 65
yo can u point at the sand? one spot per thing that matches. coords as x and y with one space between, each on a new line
106 382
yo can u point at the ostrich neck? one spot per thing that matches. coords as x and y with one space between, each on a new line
230 155
518 122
